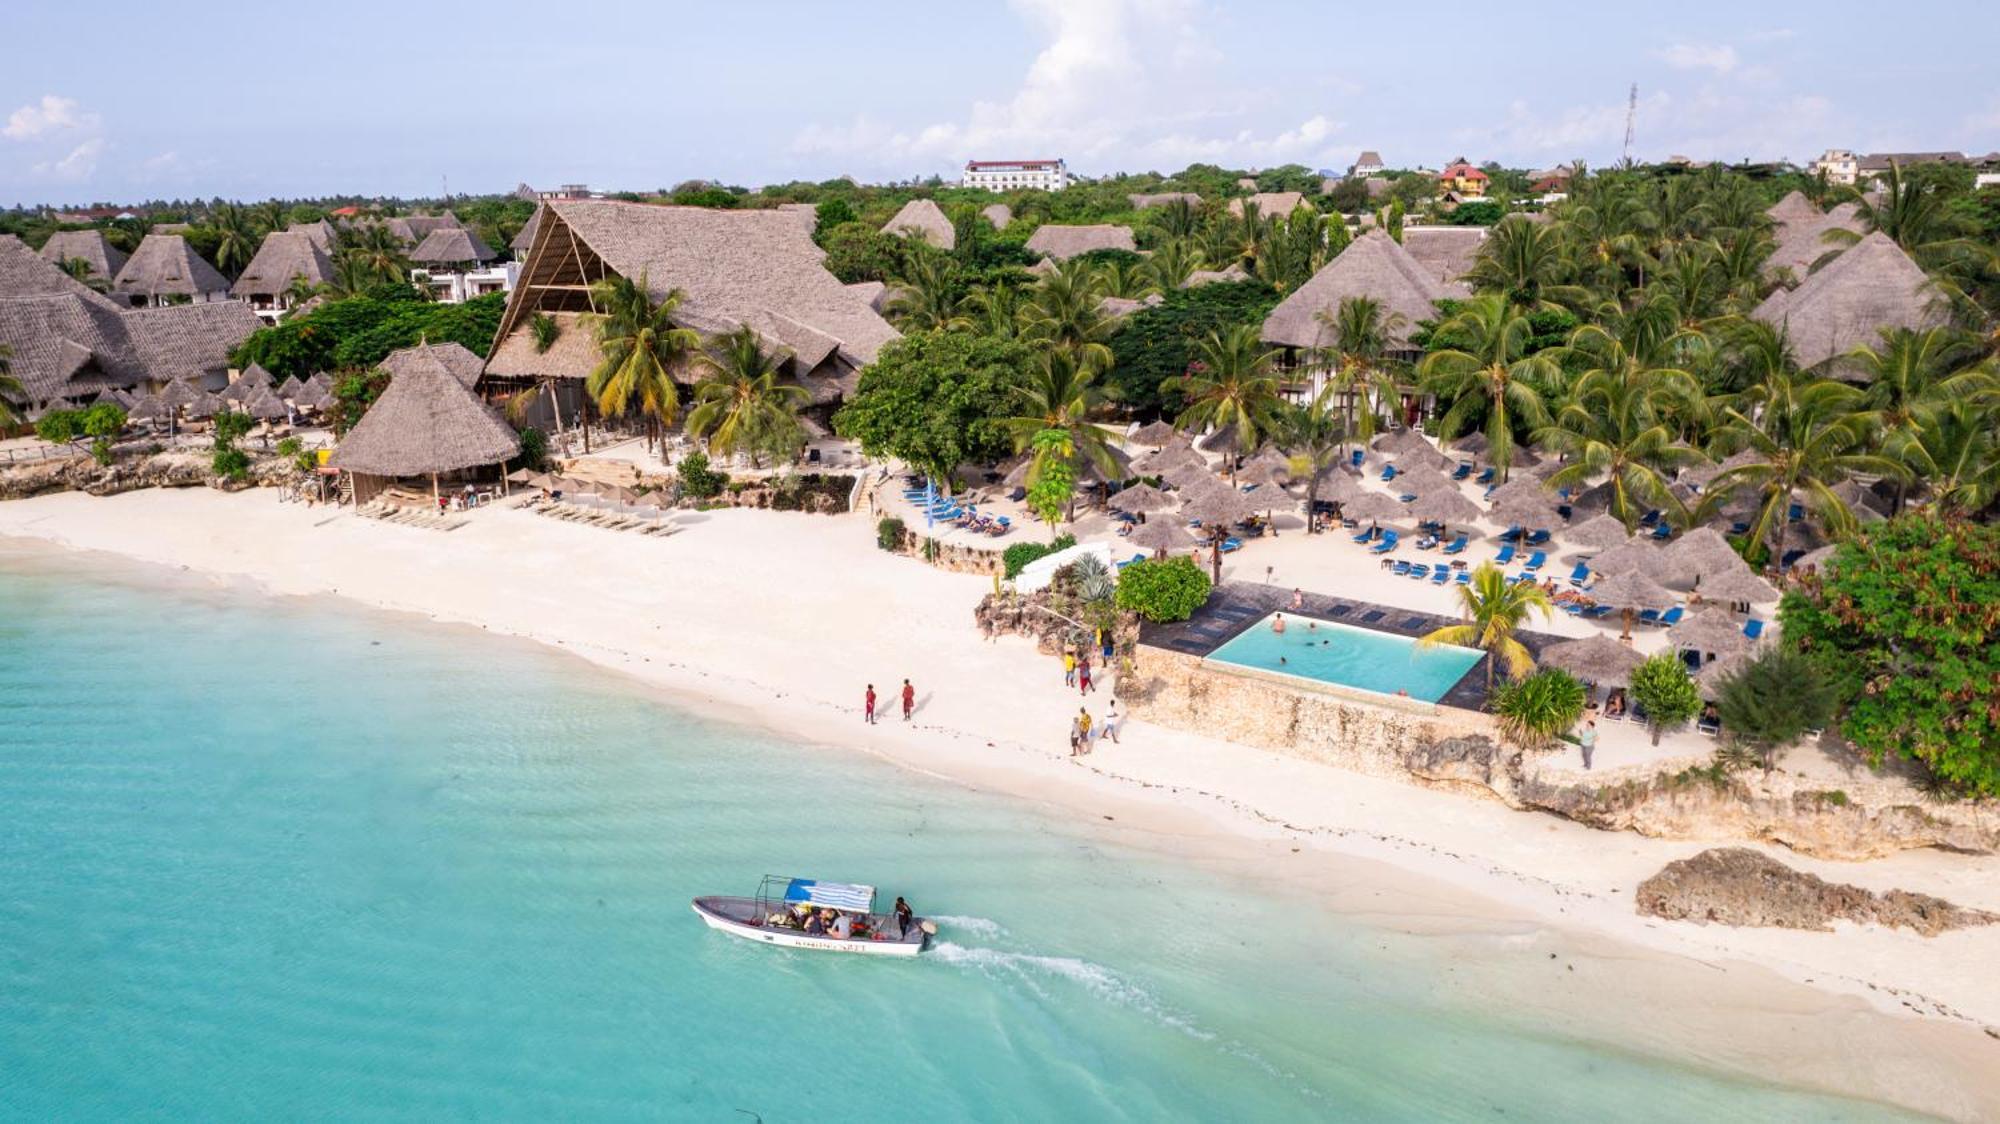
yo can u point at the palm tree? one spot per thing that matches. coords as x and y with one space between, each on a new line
236 238
995 310
1134 280
377 253
1060 399
1061 313
1492 377
267 216
1494 610
1916 217
1179 219
641 349
1524 260
1806 437
299 291
1230 382
11 390
741 406
1170 265
1612 428
1908 371
1955 449
1362 329
1314 436
929 297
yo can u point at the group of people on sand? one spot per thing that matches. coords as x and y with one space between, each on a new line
868 703
1084 730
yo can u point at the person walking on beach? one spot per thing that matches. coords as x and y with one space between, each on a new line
1111 720
1076 735
1084 685
1069 668
909 699
1083 728
1586 740
868 707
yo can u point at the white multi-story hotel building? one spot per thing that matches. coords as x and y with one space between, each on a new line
1009 175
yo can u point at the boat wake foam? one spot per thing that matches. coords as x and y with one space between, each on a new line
1032 971
975 926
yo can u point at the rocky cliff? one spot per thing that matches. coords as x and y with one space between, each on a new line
1738 886
132 471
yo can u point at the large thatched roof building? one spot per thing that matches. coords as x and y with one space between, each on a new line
71 343
1849 301
1444 252
88 246
921 218
283 257
1373 265
1799 230
320 231
165 266
426 424
451 245
525 237
1161 199
1270 204
1065 242
737 267
999 214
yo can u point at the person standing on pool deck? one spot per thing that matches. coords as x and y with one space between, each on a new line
1586 740
909 699
868 708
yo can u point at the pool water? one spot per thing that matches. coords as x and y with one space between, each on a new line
1350 657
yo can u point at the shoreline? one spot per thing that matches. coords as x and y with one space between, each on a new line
1239 811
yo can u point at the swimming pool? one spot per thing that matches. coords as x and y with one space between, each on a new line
1350 657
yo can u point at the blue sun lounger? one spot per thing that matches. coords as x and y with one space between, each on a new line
1366 535
1387 544
1485 477
1457 545
1580 575
1464 577
1537 538
1505 556
1463 470
1753 628
1535 561
1388 472
1441 575
1672 616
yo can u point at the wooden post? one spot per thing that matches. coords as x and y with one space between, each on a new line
434 488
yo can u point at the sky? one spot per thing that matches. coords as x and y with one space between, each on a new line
419 98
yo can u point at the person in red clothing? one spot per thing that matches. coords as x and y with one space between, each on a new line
909 699
1083 683
868 710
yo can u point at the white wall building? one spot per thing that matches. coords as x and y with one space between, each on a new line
1011 175
452 287
1838 165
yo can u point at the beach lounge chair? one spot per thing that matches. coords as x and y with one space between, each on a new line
1441 575
1596 611
1399 567
1388 472
1505 556
1753 628
1538 538
1672 616
1648 616
1428 542
1231 545
1387 544
1419 571
1511 534
1129 561
1663 532
1357 458
1535 561
1486 476
1366 535
1463 470
1457 545
1650 518
1580 575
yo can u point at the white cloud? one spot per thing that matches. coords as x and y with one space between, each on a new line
1719 57
78 165
51 115
1116 81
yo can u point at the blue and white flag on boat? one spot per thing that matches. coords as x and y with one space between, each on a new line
830 895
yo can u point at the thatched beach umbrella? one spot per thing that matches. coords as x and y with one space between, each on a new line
1736 585
206 405
523 476
1471 445
1142 499
290 388
1188 476
1817 559
149 408
1161 461
1522 491
1161 536
1396 442
1699 552
1712 674
1596 658
1373 506
1157 434
1219 507
1712 630
1444 507
1601 533
1636 556
1631 591
1422 482
1700 475
180 394
253 379
264 405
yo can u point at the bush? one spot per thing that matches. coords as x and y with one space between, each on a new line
534 448
1773 701
230 463
889 533
700 481
1163 591
1662 688
1535 711
1021 553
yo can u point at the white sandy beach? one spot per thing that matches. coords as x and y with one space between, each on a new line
785 618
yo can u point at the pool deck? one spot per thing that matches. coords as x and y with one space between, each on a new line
1235 606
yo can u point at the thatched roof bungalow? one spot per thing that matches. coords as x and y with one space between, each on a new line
451 245
320 231
1233 272
922 218
1065 242
1444 252
1373 265
999 214
1161 199
283 257
1800 231
734 267
165 266
454 359
1270 204
88 246
1848 302
525 237
426 424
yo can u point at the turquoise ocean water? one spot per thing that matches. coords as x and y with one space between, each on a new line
279 860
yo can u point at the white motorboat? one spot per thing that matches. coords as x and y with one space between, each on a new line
783 909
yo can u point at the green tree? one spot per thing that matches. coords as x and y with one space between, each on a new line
1060 399
640 349
831 213
1156 344
11 390
1662 688
1613 428
937 400
1052 478
1903 621
1908 373
1314 436
930 295
1061 313
856 251
1367 382
1955 451
375 253
236 238
741 407
1162 590
1492 378
1773 701
1523 261
1535 711
1230 383
1494 610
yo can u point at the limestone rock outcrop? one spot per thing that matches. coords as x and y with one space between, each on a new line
1738 886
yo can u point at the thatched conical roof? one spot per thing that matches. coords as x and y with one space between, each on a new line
179 394
452 358
1165 459
922 218
1444 252
1270 204
1793 208
1446 506
1157 434
1220 506
165 265
1142 498
1161 199
427 421
1373 265
1870 287
290 388
1636 556
1802 241
282 256
1161 534
253 379
1713 629
1065 242
261 403
1632 590
999 214
148 408
1724 667
1373 505
1422 482
1739 584
1597 658
449 245
1698 553
91 246
1604 532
